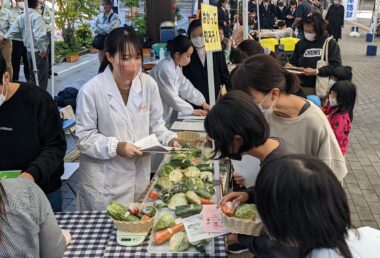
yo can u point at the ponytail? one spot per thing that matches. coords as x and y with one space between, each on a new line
179 44
292 83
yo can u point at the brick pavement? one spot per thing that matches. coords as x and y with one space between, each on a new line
362 183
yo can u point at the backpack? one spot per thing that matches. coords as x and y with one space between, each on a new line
66 97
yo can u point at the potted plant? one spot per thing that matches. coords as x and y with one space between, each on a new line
69 13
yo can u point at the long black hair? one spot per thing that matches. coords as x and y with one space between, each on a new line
192 26
345 97
302 203
179 44
254 74
117 41
236 114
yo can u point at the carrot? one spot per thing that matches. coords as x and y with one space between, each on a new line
206 201
162 236
145 218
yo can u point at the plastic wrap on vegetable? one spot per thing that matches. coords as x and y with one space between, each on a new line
176 176
229 208
166 170
202 193
207 176
246 211
184 211
148 210
192 172
179 242
166 220
164 183
116 211
192 197
180 160
159 204
197 183
177 200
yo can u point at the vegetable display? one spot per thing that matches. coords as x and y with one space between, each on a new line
132 213
179 242
184 211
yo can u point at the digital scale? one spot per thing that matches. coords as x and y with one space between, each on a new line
130 239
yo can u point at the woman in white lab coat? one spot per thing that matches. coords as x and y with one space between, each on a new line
116 108
176 91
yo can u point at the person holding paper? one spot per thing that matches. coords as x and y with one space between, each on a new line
115 109
175 89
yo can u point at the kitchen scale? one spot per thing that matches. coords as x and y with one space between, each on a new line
130 239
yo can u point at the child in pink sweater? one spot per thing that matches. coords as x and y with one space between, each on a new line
339 111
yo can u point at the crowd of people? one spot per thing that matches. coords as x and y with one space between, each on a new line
266 114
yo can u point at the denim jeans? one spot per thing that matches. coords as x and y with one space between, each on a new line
55 199
42 68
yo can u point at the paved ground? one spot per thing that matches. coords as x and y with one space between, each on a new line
362 183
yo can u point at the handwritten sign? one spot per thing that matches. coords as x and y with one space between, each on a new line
350 8
209 16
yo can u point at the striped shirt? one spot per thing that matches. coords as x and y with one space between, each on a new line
30 229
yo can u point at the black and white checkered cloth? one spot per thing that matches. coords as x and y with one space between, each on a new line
94 235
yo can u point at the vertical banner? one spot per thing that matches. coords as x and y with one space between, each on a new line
209 16
350 9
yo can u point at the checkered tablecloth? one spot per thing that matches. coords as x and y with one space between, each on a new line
95 236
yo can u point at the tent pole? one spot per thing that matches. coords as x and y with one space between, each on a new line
30 32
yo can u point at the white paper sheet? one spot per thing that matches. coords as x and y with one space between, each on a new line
248 168
188 126
151 144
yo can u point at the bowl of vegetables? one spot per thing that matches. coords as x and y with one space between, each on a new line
242 218
134 218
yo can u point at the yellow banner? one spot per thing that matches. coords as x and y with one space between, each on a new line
209 16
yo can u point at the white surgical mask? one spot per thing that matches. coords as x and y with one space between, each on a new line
3 95
332 101
266 111
281 8
198 42
21 5
101 9
310 36
331 83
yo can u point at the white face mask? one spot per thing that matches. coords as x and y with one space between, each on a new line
310 36
101 9
332 101
198 42
331 83
266 111
21 5
281 8
3 95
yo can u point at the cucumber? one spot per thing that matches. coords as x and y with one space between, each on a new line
184 211
202 193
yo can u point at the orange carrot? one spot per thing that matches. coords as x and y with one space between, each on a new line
162 236
206 201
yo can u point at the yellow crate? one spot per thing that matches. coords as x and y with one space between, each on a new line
289 44
269 43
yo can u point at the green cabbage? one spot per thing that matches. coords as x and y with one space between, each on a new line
166 170
165 183
246 211
197 183
177 200
176 175
179 242
166 220
192 172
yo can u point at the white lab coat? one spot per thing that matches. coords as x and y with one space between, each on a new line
175 89
102 121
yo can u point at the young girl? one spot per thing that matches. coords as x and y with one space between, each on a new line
339 111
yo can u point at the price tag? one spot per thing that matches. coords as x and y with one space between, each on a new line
212 219
209 16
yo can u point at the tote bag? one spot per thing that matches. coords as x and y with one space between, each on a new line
322 83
